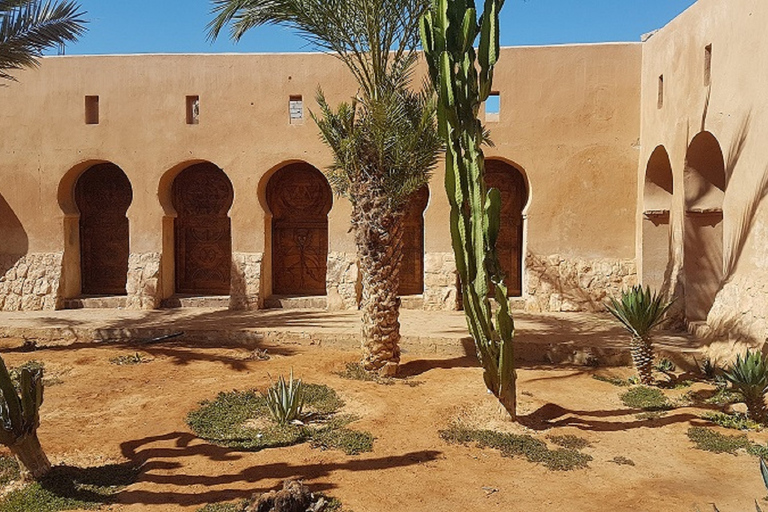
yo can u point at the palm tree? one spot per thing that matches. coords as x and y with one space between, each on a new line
29 27
385 142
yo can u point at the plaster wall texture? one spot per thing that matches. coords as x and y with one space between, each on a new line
575 140
733 107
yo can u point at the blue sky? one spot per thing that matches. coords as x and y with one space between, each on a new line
178 26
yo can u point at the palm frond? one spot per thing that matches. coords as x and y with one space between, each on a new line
639 310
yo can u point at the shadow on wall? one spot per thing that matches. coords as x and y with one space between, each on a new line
13 239
567 286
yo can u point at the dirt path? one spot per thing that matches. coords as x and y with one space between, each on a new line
102 412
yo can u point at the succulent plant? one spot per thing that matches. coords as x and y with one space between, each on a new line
462 77
285 400
20 418
640 311
749 376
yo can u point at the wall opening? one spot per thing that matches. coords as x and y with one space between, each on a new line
103 195
296 109
412 265
193 109
493 107
657 201
704 194
660 99
514 196
202 196
91 110
299 198
708 64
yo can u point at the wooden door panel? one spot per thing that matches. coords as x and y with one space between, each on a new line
299 198
202 196
412 264
103 194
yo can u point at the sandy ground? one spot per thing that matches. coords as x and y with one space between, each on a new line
105 413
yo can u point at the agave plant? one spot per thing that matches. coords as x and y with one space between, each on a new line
749 376
640 311
285 400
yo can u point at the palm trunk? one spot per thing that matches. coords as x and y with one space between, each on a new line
33 461
378 234
756 409
642 357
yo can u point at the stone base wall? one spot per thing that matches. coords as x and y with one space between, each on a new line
555 283
143 283
30 282
440 293
245 291
740 311
342 281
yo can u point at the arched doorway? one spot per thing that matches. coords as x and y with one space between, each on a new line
299 197
103 194
412 265
657 200
202 197
704 193
514 196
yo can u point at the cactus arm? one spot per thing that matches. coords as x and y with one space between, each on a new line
11 401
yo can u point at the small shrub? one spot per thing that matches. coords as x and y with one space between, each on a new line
70 488
130 359
224 507
645 398
736 421
622 461
611 379
709 369
285 400
749 376
355 371
347 440
511 445
570 441
711 441
665 366
9 470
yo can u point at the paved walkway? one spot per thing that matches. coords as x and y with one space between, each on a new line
578 338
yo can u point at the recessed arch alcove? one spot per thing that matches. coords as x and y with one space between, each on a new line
657 202
298 198
201 196
412 264
705 185
511 181
95 197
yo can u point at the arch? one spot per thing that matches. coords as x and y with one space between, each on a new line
705 184
412 264
511 182
657 201
201 196
299 199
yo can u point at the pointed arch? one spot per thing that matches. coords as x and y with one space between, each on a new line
657 202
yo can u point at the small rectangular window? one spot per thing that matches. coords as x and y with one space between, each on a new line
708 64
193 109
660 101
91 110
296 108
493 107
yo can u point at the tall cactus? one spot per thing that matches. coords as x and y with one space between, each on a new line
20 417
463 78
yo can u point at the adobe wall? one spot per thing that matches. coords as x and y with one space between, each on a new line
575 139
732 107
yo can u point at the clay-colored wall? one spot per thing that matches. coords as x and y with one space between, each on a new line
733 108
574 138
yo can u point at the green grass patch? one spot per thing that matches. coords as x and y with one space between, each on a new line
9 470
709 440
241 420
512 445
737 421
611 379
645 398
355 371
622 461
70 488
130 359
570 441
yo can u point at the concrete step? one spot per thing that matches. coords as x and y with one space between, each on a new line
196 301
96 302
293 302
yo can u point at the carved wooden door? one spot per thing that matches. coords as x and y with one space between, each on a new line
103 195
299 198
514 195
412 266
202 196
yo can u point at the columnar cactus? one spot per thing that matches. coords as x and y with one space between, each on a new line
463 79
20 417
